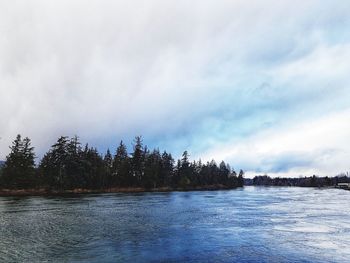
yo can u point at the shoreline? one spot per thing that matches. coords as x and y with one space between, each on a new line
81 191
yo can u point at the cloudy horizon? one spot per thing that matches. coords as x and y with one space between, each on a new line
261 85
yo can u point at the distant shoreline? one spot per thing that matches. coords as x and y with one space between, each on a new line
79 191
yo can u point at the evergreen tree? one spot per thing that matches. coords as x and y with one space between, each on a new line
153 170
167 167
121 175
94 169
185 171
224 172
108 164
74 165
19 168
53 165
240 178
177 174
213 173
138 157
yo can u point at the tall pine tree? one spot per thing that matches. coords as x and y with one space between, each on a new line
19 168
138 158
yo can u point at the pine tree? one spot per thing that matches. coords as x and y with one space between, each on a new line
185 171
53 165
167 169
223 173
153 169
19 169
138 157
108 164
121 175
240 178
74 165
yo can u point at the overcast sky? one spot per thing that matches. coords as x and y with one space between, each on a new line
263 85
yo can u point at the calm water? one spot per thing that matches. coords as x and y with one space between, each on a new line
246 225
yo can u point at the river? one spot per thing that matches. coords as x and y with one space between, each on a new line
253 224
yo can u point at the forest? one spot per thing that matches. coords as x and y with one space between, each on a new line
69 165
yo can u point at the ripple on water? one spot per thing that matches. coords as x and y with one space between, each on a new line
246 225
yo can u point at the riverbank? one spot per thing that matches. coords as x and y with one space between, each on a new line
79 191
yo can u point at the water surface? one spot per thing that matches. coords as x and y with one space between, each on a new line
254 224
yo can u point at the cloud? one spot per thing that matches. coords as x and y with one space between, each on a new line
185 75
317 146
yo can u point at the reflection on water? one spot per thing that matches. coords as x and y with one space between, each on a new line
246 225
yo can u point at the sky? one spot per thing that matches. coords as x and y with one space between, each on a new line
262 85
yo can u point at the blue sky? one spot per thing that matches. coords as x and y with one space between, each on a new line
263 85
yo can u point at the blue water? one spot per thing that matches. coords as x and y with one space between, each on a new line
254 224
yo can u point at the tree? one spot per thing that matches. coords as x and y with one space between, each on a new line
167 169
138 157
19 168
53 165
177 174
185 160
240 178
153 170
108 164
121 175
93 168
74 169
224 172
185 171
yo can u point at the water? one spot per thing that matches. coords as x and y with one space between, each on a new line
254 224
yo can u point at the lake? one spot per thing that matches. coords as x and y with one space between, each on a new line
253 224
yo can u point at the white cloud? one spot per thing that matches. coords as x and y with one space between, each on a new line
184 74
319 146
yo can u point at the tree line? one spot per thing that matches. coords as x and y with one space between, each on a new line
311 181
69 165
